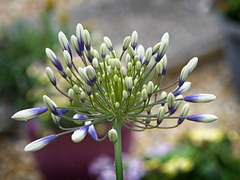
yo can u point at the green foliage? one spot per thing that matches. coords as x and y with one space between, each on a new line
196 160
21 44
230 8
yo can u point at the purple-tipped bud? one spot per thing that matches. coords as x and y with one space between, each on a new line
50 104
53 58
185 87
140 53
183 76
91 131
64 42
87 39
108 43
184 113
202 117
176 104
51 76
200 98
91 74
40 143
56 120
29 113
80 116
79 34
134 39
67 58
79 134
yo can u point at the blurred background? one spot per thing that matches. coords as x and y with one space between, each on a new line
207 29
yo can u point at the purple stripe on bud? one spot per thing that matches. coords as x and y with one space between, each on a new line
180 121
81 44
29 113
80 116
69 50
159 56
200 98
202 117
40 143
57 64
91 131
186 86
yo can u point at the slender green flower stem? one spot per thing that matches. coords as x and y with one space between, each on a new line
118 151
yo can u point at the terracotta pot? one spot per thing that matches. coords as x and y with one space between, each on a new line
65 160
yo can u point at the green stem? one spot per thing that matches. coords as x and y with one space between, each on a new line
118 151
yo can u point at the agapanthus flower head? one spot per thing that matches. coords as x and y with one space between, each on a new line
110 89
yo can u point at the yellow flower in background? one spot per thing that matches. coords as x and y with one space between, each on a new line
152 164
206 134
177 164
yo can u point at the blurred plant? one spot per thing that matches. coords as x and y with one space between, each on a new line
229 8
204 153
119 91
201 154
21 46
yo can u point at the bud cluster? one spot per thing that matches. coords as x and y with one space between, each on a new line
127 88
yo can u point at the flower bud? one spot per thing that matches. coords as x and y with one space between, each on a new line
183 75
56 120
79 134
131 52
91 131
123 71
71 94
91 74
95 63
159 68
138 65
202 118
125 94
163 47
68 73
29 113
185 87
144 95
150 88
164 61
40 143
51 76
53 58
108 43
183 113
129 66
112 135
75 44
103 50
129 83
126 42
200 98
50 104
87 39
140 52
82 73
155 48
67 58
192 64
64 42
176 104
170 100
134 39
117 105
148 56
160 115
